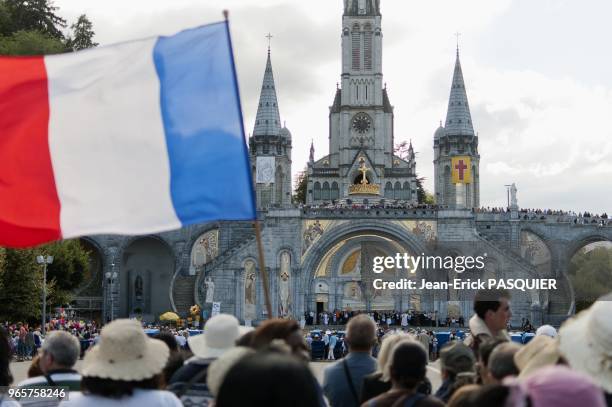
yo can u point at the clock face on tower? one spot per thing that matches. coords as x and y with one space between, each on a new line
362 122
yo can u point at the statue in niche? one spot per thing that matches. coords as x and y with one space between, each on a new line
209 286
283 289
138 289
249 290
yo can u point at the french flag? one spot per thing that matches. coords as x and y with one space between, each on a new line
135 138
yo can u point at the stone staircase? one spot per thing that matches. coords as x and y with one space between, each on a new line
182 292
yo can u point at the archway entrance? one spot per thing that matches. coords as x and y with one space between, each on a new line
88 297
345 276
590 272
147 266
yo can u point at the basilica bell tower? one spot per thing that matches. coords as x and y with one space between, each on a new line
361 165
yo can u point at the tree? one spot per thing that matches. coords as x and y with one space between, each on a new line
301 185
20 286
30 43
423 196
591 275
21 278
70 264
82 34
33 15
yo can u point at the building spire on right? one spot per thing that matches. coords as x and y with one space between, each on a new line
458 117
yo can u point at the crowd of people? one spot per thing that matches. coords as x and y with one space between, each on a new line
388 317
232 365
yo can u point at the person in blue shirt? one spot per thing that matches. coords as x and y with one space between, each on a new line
342 381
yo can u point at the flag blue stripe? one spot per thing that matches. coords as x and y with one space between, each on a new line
210 176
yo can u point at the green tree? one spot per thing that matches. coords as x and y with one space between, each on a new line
33 15
20 286
301 185
21 278
591 275
423 196
70 264
30 43
83 34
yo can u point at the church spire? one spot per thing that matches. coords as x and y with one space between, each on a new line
267 122
458 117
311 158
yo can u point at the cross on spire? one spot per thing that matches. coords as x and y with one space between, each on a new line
457 34
269 37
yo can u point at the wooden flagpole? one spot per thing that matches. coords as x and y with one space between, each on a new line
262 268
262 264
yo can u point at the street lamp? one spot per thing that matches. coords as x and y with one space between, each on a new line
111 277
44 260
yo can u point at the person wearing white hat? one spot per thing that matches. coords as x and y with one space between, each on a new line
124 369
586 343
547 330
220 335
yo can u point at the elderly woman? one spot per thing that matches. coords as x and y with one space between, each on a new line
124 369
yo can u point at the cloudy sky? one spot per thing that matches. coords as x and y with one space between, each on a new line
538 76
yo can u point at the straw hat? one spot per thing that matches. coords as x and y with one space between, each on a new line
586 342
220 334
539 352
125 353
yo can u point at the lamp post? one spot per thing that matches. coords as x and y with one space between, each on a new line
111 276
44 260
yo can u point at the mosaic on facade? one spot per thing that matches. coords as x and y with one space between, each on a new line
205 248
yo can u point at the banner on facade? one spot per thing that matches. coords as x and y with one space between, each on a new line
461 170
265 170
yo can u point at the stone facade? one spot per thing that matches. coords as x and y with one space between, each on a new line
320 257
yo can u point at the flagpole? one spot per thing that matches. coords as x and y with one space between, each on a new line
262 265
262 268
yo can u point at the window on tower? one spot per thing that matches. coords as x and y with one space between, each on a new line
367 47
356 44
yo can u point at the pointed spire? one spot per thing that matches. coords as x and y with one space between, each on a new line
267 122
410 150
458 117
311 158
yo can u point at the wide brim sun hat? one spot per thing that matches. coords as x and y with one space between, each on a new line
125 353
541 351
586 342
220 335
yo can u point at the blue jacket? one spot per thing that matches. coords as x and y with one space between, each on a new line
335 384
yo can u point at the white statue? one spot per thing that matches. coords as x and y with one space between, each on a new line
210 290
513 201
283 289
283 292
249 291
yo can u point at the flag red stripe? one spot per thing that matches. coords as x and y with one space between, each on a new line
29 204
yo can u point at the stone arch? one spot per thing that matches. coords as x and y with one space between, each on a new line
397 190
152 259
325 191
317 191
406 191
335 191
332 236
89 296
389 190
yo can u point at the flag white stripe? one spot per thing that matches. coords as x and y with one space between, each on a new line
107 142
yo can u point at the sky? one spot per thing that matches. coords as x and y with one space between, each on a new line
538 77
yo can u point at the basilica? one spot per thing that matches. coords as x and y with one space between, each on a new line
361 203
